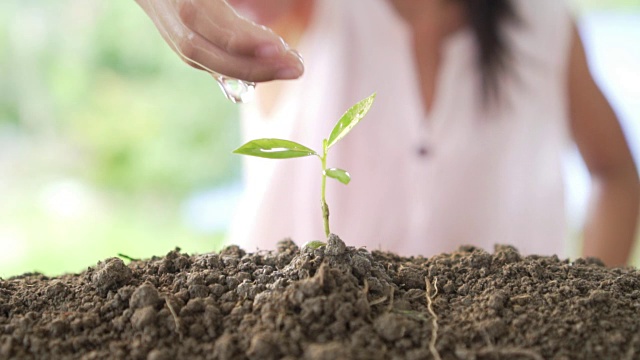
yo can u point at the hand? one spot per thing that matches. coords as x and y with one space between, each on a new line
266 12
209 35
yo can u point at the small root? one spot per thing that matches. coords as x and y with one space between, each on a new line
383 299
508 352
417 296
378 301
321 274
365 289
176 319
434 321
390 308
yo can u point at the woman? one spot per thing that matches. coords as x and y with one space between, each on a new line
477 101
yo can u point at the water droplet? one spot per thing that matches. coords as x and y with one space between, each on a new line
237 91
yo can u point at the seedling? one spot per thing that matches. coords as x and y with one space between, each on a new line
285 149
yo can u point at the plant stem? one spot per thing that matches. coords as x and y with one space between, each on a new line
325 207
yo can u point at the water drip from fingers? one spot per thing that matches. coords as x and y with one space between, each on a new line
237 91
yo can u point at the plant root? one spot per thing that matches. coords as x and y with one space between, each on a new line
381 299
176 319
434 321
378 301
390 308
365 293
365 288
490 349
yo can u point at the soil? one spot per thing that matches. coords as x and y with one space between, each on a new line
333 302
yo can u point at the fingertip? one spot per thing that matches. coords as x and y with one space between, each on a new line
292 71
288 73
297 56
288 61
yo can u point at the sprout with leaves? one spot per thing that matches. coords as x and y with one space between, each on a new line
285 149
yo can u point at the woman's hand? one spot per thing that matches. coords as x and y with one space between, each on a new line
210 35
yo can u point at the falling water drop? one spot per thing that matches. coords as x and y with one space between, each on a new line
237 91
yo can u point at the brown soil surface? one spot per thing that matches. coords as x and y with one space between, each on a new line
334 302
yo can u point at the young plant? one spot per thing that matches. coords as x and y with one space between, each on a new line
285 149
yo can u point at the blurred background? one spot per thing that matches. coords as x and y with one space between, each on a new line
110 144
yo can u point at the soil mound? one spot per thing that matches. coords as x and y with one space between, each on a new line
331 302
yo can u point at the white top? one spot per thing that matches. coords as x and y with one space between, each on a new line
488 177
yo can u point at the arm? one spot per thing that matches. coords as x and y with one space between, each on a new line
615 197
210 35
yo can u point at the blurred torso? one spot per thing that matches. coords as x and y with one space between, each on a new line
430 21
484 177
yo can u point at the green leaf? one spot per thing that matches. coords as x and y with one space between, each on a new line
274 149
350 119
315 244
339 175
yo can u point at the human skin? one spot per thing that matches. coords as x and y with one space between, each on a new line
264 12
611 226
612 221
210 35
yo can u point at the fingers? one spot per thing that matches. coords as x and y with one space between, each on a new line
202 52
217 22
210 35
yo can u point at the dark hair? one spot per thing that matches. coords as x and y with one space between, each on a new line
486 19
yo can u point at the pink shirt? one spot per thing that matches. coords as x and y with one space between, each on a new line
488 177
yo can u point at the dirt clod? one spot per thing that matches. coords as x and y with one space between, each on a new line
327 302
110 274
145 295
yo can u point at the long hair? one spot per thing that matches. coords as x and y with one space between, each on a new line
486 19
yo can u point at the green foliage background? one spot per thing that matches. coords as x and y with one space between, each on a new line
94 105
92 101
